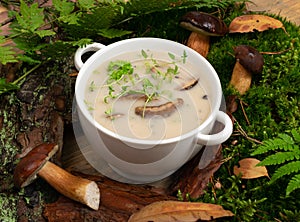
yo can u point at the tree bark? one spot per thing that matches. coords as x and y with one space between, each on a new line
117 202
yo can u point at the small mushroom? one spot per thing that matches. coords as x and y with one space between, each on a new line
248 61
164 110
115 116
36 162
133 96
202 25
188 85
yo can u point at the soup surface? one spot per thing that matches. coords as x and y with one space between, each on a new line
147 95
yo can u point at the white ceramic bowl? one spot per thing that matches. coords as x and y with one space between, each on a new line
140 160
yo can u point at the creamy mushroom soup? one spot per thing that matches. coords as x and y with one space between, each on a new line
147 95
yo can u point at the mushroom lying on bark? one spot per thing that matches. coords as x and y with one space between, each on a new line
202 25
248 61
36 163
165 109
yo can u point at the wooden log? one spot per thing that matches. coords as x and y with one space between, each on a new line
117 202
194 176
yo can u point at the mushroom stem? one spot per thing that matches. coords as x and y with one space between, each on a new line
199 42
76 188
241 78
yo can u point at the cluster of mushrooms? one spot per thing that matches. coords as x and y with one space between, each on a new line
203 26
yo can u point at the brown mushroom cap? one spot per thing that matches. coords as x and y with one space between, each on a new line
203 23
249 58
27 169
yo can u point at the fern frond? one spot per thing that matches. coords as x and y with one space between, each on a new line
288 139
293 184
6 86
287 169
283 142
278 158
296 135
7 54
113 33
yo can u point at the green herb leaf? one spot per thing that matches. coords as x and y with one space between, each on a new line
172 56
92 86
118 69
184 56
144 54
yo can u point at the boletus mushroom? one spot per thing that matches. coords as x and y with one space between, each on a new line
202 25
36 162
248 62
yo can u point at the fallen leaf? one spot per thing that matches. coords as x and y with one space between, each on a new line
251 23
168 211
3 9
249 170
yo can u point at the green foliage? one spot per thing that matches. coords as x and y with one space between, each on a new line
35 28
289 215
234 198
30 19
6 86
6 52
8 207
289 158
294 182
27 28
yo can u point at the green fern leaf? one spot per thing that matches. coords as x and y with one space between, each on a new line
30 17
64 7
6 53
86 4
113 33
296 135
6 86
283 143
287 169
293 184
277 158
27 29
288 139
81 42
43 33
292 154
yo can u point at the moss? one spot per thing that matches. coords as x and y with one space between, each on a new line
272 107
8 206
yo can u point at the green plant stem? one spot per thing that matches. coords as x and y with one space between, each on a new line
26 74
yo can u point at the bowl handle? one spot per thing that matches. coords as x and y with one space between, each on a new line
88 48
221 136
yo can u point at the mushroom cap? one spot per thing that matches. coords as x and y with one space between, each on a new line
28 167
203 23
249 58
